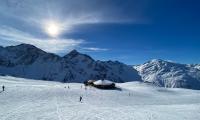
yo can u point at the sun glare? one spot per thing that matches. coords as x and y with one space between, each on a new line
52 29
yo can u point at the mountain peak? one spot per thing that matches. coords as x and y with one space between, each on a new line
160 61
23 45
26 45
74 52
155 61
166 73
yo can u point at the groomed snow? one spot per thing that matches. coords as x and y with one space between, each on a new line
41 100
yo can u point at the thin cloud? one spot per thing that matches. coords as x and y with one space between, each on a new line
72 13
31 17
95 49
16 36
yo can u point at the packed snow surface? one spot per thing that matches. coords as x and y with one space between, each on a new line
41 100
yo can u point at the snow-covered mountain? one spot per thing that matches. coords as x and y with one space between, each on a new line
28 61
197 66
169 74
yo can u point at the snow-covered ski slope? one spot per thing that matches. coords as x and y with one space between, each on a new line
41 100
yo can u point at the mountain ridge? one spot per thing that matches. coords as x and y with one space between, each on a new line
29 61
169 74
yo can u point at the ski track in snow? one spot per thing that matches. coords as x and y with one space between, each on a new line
42 100
57 107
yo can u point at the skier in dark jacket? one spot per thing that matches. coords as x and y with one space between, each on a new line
3 87
81 98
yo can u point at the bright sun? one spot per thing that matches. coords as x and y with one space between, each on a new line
52 29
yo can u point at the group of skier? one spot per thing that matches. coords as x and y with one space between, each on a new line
80 98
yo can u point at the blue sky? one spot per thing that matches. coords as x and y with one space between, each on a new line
130 31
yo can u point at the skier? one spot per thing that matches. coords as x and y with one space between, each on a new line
68 87
3 87
80 99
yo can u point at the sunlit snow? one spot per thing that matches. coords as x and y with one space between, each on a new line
25 99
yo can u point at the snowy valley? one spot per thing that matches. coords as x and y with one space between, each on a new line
25 99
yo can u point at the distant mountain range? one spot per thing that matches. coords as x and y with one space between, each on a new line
28 61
